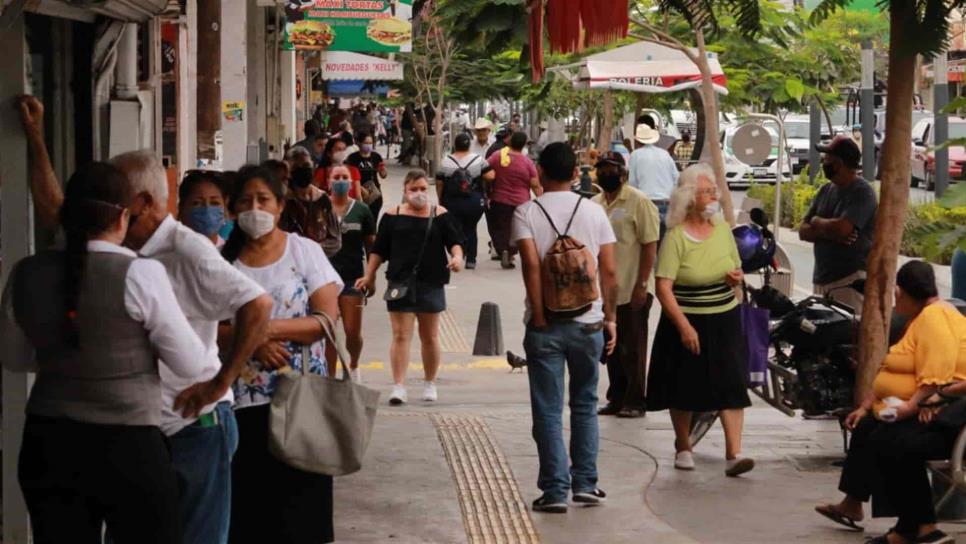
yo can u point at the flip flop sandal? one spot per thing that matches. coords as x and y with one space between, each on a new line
831 513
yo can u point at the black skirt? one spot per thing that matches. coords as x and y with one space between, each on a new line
717 379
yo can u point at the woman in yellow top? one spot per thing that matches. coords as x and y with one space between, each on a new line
932 352
699 361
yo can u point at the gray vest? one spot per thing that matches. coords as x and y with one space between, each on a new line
111 376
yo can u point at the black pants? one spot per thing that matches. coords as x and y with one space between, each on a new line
860 476
77 476
627 366
467 210
902 452
271 501
375 207
499 220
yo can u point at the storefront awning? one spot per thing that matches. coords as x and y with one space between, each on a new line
344 65
643 67
132 11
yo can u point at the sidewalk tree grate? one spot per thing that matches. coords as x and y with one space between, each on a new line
493 509
451 338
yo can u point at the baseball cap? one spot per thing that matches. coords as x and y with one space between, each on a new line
610 157
503 132
844 148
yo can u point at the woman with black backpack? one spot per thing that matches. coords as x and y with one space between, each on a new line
459 185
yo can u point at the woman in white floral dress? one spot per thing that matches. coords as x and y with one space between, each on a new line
271 501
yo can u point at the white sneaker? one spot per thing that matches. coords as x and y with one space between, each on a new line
738 466
429 392
356 374
683 460
398 395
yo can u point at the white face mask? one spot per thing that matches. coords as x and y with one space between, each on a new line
256 223
418 200
711 210
338 157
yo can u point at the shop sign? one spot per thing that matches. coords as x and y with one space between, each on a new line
349 25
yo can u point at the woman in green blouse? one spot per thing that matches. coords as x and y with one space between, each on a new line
699 361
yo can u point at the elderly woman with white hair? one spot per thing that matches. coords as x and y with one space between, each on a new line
698 361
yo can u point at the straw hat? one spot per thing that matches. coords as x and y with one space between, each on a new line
646 134
482 124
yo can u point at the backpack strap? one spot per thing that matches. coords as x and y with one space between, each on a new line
572 215
547 215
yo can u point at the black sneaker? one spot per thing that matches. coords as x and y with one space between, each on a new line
591 498
471 265
936 537
550 506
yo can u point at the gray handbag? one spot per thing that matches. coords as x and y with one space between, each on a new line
320 424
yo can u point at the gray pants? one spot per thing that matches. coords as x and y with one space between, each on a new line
843 294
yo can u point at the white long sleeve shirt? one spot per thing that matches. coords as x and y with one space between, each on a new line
653 171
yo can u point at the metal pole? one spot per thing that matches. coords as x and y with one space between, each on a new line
814 138
778 168
867 111
941 126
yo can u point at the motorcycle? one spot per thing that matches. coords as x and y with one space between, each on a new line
812 346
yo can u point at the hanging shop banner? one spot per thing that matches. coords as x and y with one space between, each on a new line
346 65
349 25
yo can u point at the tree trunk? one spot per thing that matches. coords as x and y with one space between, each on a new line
697 106
711 129
893 201
607 128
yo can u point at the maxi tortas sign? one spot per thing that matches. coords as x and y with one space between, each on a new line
349 25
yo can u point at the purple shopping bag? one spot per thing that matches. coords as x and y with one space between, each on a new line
754 323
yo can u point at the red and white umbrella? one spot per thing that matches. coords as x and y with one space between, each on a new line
643 67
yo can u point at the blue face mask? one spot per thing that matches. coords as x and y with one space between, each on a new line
206 220
341 187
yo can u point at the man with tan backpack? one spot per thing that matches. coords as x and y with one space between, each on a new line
566 245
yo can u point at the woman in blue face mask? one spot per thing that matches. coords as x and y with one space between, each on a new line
201 204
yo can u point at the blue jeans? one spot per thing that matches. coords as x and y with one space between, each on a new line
578 346
202 458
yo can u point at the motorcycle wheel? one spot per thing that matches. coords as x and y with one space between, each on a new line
701 423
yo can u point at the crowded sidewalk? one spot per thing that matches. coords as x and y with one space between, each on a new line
431 487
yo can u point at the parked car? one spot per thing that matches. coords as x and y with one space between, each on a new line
923 162
739 174
797 137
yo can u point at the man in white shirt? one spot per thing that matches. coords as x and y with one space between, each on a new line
483 139
209 290
204 435
653 170
576 342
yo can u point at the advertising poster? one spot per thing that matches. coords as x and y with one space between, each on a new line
233 110
349 25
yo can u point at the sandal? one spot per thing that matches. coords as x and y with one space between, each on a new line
830 512
631 413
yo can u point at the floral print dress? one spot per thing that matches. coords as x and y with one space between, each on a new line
290 282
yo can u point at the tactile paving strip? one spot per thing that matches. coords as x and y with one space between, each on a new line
493 510
451 338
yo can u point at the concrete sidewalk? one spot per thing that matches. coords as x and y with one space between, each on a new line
465 468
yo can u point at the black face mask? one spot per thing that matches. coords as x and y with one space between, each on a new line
301 177
609 182
829 170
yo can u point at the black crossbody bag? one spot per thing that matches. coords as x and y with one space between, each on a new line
402 291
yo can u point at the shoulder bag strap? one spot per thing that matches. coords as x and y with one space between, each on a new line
547 215
572 215
422 248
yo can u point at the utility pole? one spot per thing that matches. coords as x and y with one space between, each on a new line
814 137
867 111
209 77
941 126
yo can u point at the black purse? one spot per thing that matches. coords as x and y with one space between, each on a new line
403 291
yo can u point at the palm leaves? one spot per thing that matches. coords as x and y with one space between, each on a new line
701 14
930 25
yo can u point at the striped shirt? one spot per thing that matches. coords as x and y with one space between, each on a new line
698 268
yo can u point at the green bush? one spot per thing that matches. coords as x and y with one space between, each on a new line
797 196
919 240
